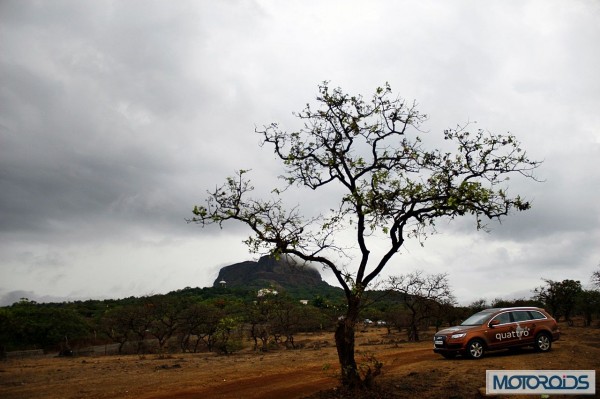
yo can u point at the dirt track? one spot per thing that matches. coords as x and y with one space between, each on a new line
410 370
280 381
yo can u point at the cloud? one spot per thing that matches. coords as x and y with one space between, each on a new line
117 117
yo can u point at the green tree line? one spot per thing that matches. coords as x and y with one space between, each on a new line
225 320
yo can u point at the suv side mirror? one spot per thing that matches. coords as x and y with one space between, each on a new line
494 323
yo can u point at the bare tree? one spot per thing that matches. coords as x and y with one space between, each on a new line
190 321
203 323
140 320
596 278
423 295
259 317
287 317
369 153
165 319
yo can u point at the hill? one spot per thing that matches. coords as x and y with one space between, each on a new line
268 272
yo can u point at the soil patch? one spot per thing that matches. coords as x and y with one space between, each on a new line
410 370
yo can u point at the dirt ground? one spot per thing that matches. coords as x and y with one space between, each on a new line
411 370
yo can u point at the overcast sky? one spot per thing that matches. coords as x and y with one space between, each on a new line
117 116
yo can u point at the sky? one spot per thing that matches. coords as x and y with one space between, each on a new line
116 117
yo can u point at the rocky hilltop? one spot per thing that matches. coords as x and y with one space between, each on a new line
270 272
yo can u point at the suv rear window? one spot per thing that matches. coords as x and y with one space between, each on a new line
535 315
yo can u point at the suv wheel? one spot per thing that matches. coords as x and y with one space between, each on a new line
543 342
475 349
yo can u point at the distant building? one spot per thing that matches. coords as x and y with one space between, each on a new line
266 291
223 283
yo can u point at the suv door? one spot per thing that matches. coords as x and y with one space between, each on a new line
499 333
524 327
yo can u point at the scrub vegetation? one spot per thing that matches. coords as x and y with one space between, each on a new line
226 320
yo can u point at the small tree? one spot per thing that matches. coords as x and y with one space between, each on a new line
478 305
369 153
200 321
140 319
259 316
115 324
229 335
287 317
190 319
559 297
423 295
34 325
165 320
588 304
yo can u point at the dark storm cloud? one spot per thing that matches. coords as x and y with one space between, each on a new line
80 135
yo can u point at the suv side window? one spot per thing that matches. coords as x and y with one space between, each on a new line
521 315
535 315
503 318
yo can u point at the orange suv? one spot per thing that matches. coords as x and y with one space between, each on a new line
493 329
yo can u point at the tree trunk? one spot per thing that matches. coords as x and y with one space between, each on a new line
588 318
344 342
414 333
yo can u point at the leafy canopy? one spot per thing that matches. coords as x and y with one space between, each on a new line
390 183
